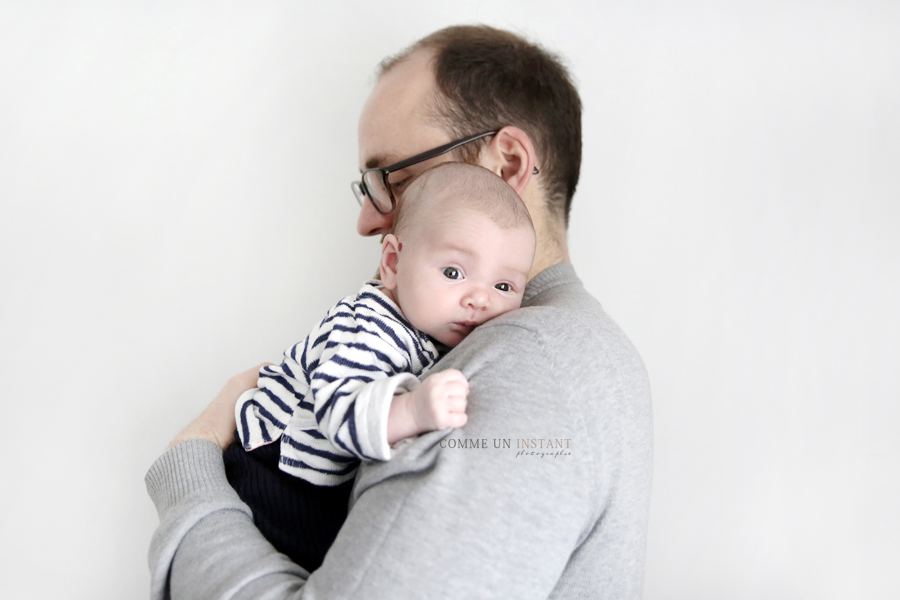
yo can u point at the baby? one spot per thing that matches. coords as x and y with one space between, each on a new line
459 255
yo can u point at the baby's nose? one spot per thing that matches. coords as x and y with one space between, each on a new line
476 298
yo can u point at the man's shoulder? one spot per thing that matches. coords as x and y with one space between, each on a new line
559 357
570 323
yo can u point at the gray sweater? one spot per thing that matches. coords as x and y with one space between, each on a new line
543 494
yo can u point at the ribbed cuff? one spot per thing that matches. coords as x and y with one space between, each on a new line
193 467
187 484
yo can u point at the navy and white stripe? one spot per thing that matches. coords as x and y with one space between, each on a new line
328 401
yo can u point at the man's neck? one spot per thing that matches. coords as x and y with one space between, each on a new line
552 245
550 250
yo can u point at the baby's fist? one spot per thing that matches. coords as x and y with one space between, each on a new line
440 401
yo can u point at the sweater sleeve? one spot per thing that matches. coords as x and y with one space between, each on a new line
451 516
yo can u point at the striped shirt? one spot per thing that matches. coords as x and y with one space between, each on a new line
328 401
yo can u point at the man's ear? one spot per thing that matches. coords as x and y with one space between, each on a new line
511 155
390 255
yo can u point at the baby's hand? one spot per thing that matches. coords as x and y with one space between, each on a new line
440 401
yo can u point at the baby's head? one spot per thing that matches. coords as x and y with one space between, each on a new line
460 251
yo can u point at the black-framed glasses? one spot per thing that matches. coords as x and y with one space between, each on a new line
374 185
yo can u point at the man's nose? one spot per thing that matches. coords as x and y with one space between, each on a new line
372 222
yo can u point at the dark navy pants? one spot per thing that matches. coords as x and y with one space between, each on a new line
300 519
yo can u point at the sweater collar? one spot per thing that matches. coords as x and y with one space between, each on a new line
549 278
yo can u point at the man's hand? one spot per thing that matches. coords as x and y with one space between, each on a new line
438 403
216 423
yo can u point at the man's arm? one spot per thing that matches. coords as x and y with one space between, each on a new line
435 521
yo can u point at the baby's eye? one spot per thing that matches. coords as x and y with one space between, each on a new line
452 273
503 287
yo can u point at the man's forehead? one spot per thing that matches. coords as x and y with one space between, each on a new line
387 138
391 145
395 121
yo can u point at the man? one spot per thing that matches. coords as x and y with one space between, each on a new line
545 492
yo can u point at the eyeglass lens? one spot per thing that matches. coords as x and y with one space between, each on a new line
381 196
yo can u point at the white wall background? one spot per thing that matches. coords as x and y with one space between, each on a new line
175 208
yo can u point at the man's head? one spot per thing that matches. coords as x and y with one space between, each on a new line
465 80
460 253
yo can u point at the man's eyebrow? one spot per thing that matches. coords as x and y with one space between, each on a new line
378 161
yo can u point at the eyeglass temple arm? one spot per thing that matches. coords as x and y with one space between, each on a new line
435 152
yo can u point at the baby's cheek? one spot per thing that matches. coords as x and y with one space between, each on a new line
513 305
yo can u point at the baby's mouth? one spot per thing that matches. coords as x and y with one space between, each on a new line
467 326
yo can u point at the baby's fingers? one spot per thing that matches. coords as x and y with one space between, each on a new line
453 376
457 404
455 389
456 419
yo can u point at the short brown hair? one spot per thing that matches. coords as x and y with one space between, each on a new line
488 78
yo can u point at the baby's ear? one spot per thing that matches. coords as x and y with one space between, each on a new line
390 256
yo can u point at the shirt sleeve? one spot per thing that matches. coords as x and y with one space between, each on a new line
440 520
262 414
353 379
351 393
